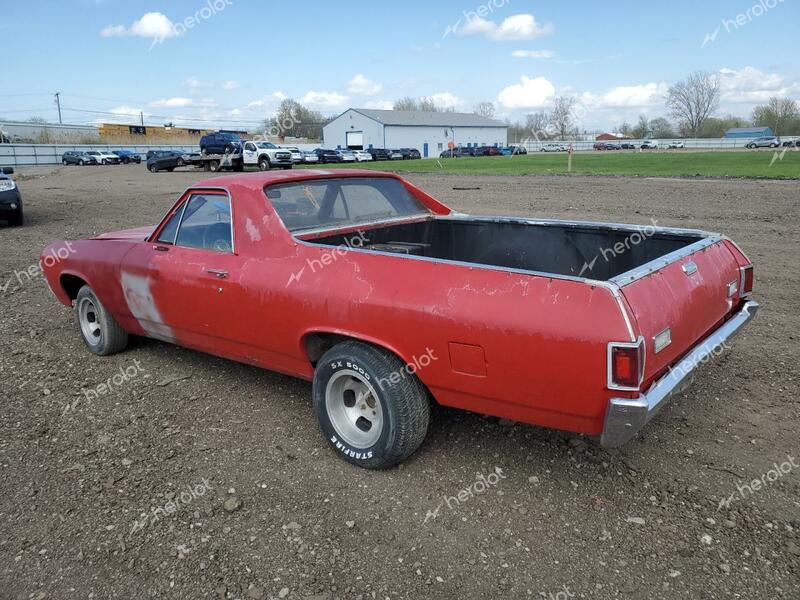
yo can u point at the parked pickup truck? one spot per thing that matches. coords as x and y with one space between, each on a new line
266 155
388 300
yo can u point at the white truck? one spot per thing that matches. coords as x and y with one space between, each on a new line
266 155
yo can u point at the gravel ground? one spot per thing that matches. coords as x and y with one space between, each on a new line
242 498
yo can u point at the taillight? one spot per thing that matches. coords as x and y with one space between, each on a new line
746 281
626 365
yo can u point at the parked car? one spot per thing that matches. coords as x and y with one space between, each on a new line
380 153
649 145
310 157
10 198
552 147
127 157
451 153
410 153
518 149
362 155
77 157
346 155
768 141
297 155
221 143
167 160
395 155
607 146
676 145
790 143
328 156
628 146
104 158
266 155
403 304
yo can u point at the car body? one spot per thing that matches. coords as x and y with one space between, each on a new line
167 160
362 155
222 142
628 146
649 145
608 146
128 156
768 141
103 158
386 298
297 155
553 147
676 145
10 198
326 155
451 153
346 155
396 154
410 153
380 153
77 157
486 151
266 155
310 157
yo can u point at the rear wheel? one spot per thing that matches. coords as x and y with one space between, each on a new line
99 330
371 408
80 162
180 163
214 165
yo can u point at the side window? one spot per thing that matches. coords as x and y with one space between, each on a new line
250 147
206 224
167 235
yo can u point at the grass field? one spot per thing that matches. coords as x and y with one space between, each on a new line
640 164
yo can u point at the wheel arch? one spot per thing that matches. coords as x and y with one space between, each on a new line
316 342
71 283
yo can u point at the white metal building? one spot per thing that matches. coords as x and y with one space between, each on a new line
428 132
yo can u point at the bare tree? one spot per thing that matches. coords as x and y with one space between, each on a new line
776 113
484 109
561 118
406 103
661 128
538 124
642 128
694 99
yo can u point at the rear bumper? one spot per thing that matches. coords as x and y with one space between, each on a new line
625 417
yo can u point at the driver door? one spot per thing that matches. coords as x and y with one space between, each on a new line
182 287
250 153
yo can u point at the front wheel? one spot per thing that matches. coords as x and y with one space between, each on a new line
101 332
80 162
17 219
371 407
180 163
152 169
64 162
263 163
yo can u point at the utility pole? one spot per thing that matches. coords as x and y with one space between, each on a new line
58 104
141 118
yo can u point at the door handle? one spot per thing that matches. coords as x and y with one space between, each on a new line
161 248
218 272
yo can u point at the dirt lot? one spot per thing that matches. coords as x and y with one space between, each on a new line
186 432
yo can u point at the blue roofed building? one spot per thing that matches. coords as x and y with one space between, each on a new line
748 132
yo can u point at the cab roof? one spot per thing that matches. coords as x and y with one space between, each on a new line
257 181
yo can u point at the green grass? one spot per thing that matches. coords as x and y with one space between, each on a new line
638 164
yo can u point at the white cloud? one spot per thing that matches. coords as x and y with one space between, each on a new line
380 104
750 85
193 83
324 99
230 85
153 25
172 103
646 94
361 86
126 110
529 93
515 27
533 54
444 99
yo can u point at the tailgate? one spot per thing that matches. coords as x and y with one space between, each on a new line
689 296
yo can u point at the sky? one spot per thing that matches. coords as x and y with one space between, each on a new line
230 62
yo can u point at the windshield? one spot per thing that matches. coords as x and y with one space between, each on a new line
330 203
266 145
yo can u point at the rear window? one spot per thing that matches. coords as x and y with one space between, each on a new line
341 202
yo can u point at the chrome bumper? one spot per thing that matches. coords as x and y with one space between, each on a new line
625 417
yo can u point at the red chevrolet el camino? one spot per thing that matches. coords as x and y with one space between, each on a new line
388 300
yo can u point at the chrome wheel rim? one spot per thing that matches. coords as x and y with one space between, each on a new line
354 409
89 320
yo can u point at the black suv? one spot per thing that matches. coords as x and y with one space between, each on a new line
328 156
220 143
10 200
380 153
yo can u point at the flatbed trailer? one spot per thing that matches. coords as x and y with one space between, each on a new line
216 162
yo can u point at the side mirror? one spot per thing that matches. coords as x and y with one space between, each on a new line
8 170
